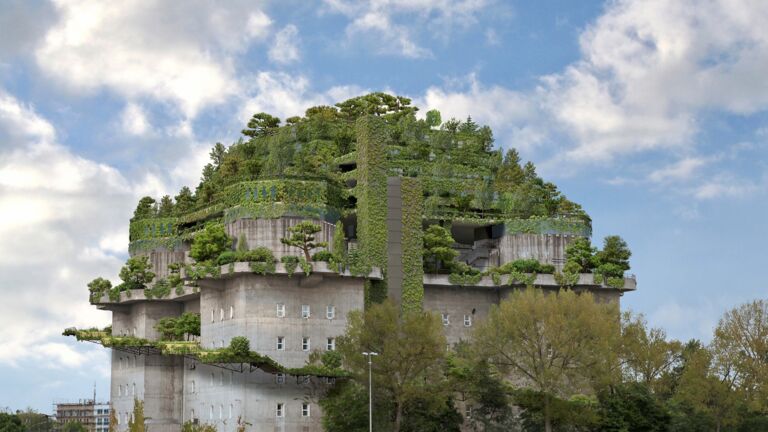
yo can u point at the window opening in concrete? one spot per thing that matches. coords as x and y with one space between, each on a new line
221 412
210 413
305 344
305 311
280 378
446 319
231 312
280 343
467 320
279 412
221 314
330 344
230 410
212 315
281 310
305 409
192 389
330 311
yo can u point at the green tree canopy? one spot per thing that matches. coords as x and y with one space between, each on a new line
136 273
438 248
556 344
409 368
302 236
210 243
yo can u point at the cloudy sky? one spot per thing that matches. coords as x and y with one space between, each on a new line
650 113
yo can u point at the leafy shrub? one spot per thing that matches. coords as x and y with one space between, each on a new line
529 265
136 273
438 248
323 255
210 242
171 328
291 262
98 287
228 257
239 345
260 254
161 289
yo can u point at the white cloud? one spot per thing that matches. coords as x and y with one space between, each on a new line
649 68
726 186
176 52
63 221
681 170
381 22
286 46
286 95
512 115
134 120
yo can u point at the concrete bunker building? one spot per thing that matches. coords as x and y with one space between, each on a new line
385 198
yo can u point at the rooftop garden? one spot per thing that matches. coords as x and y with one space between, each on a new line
307 166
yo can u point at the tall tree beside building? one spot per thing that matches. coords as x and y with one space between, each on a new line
555 344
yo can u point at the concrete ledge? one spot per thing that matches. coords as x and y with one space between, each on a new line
319 267
546 280
190 292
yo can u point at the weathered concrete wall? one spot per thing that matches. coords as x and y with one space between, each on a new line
268 232
457 302
253 301
139 319
547 248
220 397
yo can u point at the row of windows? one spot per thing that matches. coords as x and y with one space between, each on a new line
330 312
123 363
447 320
306 344
279 379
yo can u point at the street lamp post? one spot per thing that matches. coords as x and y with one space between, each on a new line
370 389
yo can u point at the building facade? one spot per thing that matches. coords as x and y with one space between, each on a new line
94 416
287 314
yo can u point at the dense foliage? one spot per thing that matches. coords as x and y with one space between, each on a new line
179 328
463 173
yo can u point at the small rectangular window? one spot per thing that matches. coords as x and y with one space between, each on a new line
281 310
305 311
330 344
305 346
221 314
468 412
467 320
305 409
330 312
213 315
446 319
280 343
279 412
280 378
231 312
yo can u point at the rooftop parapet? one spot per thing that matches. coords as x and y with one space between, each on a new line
189 290
539 280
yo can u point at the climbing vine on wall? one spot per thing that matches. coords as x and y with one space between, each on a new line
372 198
412 244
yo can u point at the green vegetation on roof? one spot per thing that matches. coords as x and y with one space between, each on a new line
310 166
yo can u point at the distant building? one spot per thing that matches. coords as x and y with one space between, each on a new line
91 414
